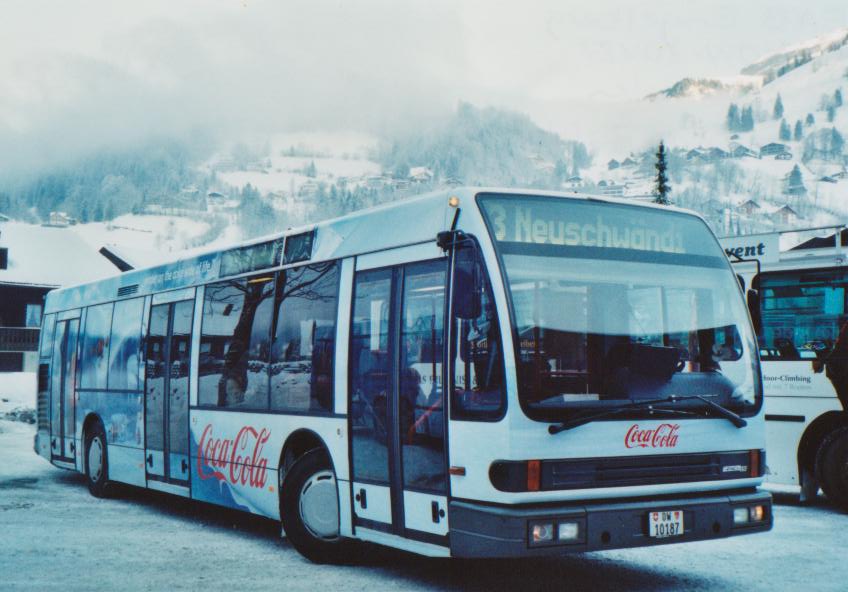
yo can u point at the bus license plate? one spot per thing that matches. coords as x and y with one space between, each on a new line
665 524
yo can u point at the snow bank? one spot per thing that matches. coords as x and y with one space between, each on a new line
17 395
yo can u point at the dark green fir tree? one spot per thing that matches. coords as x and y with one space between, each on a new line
799 131
778 107
661 186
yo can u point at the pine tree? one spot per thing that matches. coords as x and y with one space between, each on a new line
661 187
785 132
837 143
778 107
799 131
733 123
810 119
831 113
795 182
747 120
837 98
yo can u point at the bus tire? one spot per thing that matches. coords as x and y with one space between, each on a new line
832 464
96 461
310 509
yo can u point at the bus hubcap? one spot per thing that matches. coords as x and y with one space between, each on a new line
319 507
95 459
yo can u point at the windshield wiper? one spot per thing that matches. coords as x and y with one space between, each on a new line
584 419
721 410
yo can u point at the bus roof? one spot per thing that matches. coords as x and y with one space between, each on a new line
792 248
410 221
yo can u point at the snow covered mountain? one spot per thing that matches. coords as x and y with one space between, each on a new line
700 87
737 173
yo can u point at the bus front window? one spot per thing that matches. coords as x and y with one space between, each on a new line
612 304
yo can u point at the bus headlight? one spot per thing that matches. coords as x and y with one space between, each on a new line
554 532
568 532
542 533
748 515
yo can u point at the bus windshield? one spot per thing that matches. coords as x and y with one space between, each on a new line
613 304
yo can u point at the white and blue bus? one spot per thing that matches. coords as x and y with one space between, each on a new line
797 284
473 373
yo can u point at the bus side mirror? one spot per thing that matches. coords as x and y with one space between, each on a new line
754 309
467 283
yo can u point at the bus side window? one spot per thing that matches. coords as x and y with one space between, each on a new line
235 337
47 328
125 342
303 347
802 314
95 347
478 365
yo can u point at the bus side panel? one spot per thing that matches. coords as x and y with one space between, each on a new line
235 455
123 420
794 397
784 433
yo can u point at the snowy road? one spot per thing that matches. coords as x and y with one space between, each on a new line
55 536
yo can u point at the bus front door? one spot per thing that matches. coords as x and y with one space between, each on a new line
396 401
63 391
166 392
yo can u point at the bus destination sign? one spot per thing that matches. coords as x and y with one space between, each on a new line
588 224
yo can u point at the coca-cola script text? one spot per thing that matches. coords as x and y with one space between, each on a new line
238 461
662 436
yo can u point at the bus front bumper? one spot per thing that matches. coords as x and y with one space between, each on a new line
479 530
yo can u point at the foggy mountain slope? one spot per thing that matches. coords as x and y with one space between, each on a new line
137 200
228 187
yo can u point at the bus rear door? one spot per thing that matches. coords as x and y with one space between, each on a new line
63 389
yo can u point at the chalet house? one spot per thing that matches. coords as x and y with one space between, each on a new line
783 156
33 261
740 151
717 154
573 182
60 220
773 149
610 188
827 179
749 207
786 215
706 155
420 175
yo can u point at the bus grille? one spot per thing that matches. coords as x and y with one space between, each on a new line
623 471
641 470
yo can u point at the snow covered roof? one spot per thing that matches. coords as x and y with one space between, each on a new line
49 256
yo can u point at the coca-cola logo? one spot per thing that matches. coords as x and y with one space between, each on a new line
662 436
238 461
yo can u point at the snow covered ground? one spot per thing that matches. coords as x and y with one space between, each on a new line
55 536
17 392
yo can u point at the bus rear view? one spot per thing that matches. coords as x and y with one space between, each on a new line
636 413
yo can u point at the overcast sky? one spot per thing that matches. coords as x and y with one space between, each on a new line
75 75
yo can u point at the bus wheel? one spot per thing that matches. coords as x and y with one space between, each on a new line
833 466
96 461
310 509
